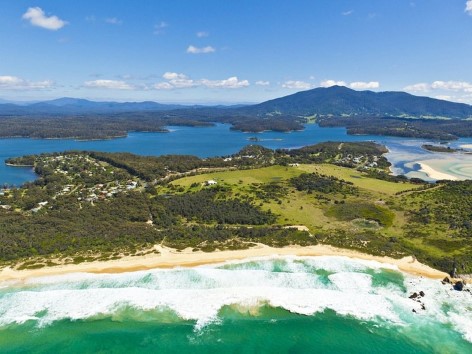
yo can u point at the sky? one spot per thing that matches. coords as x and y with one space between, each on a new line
232 51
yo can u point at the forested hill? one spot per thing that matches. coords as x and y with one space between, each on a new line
340 100
331 101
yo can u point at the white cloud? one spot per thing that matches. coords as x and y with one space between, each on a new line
299 85
163 86
359 85
457 91
419 87
347 13
452 86
182 81
202 34
113 21
172 76
329 83
457 86
262 83
108 84
160 27
37 17
203 50
15 83
468 7
178 80
232 82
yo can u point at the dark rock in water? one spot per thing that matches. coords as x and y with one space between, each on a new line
413 296
459 286
423 307
413 310
446 280
421 293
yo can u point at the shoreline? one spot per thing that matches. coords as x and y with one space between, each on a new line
171 258
434 174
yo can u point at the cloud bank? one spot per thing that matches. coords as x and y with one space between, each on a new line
15 83
108 84
181 81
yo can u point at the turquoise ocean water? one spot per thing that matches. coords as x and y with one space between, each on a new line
266 305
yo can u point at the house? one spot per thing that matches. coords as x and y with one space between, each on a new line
131 185
211 182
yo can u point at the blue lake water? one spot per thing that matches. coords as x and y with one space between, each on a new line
217 140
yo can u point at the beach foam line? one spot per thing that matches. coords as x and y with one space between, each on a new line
432 173
171 258
307 285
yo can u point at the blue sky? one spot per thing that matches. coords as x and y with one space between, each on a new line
217 51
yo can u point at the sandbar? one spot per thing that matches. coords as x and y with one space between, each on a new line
432 173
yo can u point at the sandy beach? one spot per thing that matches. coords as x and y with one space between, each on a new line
169 258
432 173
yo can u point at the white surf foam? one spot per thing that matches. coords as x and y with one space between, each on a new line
198 294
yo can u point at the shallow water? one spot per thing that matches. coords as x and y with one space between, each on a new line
271 304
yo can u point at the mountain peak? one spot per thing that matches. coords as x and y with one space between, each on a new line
344 101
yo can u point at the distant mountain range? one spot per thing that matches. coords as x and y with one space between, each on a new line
67 105
342 101
335 100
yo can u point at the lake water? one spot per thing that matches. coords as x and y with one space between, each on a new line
218 140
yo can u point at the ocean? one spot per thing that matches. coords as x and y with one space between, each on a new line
279 304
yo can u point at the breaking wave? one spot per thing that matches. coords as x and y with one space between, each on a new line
364 290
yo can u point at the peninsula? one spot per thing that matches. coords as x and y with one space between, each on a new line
91 206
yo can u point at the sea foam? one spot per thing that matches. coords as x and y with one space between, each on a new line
302 285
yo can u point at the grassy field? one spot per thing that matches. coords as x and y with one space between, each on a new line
375 216
302 208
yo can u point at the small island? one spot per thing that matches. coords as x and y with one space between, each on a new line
436 148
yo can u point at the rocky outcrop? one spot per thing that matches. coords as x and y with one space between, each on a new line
459 285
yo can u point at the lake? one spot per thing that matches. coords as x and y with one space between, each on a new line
220 140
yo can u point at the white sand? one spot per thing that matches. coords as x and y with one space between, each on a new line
169 258
432 173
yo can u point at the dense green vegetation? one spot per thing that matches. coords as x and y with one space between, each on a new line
89 205
211 205
352 211
325 184
362 112
88 126
438 129
439 148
